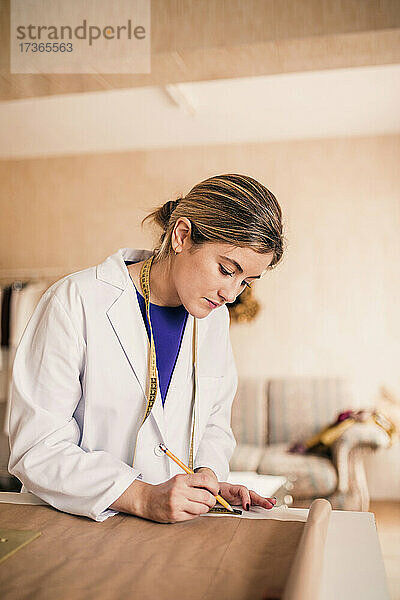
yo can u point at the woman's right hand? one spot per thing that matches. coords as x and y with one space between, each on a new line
181 498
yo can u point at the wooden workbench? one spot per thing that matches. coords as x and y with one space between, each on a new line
208 557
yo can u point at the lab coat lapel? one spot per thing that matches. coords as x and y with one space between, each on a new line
127 322
196 383
128 326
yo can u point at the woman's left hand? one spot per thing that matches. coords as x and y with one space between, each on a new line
240 495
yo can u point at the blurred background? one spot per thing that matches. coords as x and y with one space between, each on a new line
303 96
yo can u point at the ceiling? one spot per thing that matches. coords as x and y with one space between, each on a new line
328 103
216 39
221 73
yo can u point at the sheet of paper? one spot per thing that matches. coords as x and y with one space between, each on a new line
283 513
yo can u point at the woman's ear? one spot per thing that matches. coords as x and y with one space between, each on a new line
181 235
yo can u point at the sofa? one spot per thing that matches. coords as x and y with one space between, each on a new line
269 415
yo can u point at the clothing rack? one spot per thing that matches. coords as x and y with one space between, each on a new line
18 276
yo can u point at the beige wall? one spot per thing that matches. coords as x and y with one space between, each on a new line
329 309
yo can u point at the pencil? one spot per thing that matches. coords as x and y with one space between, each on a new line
220 499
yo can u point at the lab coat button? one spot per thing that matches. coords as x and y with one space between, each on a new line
157 450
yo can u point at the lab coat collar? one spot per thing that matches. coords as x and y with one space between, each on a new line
126 320
113 270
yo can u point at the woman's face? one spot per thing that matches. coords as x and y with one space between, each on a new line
212 274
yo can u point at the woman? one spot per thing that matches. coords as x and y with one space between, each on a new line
97 386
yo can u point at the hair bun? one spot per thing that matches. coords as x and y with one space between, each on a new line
164 213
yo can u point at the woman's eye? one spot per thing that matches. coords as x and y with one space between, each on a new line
224 271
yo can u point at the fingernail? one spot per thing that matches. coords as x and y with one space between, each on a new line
247 506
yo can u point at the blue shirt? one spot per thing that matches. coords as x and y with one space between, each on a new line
168 324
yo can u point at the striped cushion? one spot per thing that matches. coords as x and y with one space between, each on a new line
312 476
299 407
249 412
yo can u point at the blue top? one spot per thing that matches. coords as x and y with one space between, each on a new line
168 324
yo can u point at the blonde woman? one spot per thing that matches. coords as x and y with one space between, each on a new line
122 356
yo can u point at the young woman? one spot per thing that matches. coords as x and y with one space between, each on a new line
122 356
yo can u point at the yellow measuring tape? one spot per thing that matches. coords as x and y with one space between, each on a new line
153 377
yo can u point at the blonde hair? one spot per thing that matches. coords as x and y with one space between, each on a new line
233 209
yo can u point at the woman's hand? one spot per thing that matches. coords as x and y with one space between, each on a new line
181 498
240 495
184 497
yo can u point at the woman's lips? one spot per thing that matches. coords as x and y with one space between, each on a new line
211 304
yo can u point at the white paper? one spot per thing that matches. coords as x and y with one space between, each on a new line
282 513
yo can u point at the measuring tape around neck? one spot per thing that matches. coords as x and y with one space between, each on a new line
153 377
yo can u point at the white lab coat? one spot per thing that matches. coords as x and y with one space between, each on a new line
78 394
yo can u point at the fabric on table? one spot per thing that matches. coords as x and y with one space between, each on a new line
213 557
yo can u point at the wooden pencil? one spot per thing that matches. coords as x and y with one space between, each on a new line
220 499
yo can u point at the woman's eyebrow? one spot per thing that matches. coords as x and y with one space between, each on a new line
239 268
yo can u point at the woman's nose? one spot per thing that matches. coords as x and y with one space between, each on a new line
228 293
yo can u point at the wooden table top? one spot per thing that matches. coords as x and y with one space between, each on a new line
75 557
